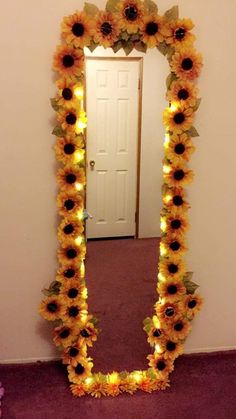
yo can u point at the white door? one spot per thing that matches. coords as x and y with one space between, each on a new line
112 142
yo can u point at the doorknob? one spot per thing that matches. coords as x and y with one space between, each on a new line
92 164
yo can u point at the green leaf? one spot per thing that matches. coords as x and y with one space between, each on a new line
192 132
123 375
117 46
54 104
128 47
58 131
140 46
91 9
172 14
163 48
172 77
188 276
151 374
135 37
189 285
92 46
111 5
125 36
147 321
150 6
197 104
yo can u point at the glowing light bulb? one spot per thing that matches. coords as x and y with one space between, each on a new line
166 169
88 381
84 293
166 140
163 224
80 126
78 240
79 156
113 378
79 92
158 349
163 250
84 317
78 186
173 107
137 375
167 198
161 277
80 215
82 269
156 322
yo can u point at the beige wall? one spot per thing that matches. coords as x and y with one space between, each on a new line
29 33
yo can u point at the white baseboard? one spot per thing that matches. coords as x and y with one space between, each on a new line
48 358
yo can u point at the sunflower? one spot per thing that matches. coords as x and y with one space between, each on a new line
171 349
107 29
64 335
80 371
70 176
113 384
78 390
73 354
51 308
68 273
182 91
178 330
71 254
67 118
130 14
68 61
69 203
180 32
69 230
98 385
186 63
73 311
161 366
172 268
171 289
178 175
174 198
66 149
155 336
172 246
177 225
66 97
128 385
77 29
178 119
71 290
153 30
180 148
168 312
144 382
193 304
88 333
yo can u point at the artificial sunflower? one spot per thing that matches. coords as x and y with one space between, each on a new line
68 273
172 268
192 304
70 176
183 91
113 384
130 15
161 365
171 349
71 254
178 330
155 336
178 175
73 311
145 382
67 118
71 290
172 246
68 61
78 390
88 333
180 33
73 354
68 230
98 385
69 203
77 29
174 198
107 29
171 289
51 308
180 148
154 30
177 225
66 97
168 312
178 119
128 385
80 371
186 63
67 147
64 335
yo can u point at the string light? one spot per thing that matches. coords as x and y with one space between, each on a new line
137 376
78 240
79 92
161 277
113 378
79 156
158 349
173 107
80 215
163 224
166 169
163 250
78 186
167 198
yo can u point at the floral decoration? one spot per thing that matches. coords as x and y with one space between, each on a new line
127 24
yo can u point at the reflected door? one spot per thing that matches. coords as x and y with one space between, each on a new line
112 103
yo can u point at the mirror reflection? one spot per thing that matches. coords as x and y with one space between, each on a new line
124 98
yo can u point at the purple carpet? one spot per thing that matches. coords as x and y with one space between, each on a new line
202 387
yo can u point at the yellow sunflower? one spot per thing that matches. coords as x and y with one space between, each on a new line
172 246
168 312
107 29
161 366
177 225
128 385
80 371
51 308
180 148
67 118
73 354
69 203
171 289
178 330
66 97
67 149
64 335
186 63
78 390
77 29
171 349
155 335
154 30
73 312
178 174
180 32
69 230
192 304
68 61
172 268
68 273
88 333
183 91
113 384
144 382
175 198
178 119
130 13
70 176
71 289
71 253
97 386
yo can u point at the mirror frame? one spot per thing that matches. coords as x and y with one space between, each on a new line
127 24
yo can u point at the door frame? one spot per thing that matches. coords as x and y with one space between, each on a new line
139 129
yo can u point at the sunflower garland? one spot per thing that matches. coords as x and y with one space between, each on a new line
127 24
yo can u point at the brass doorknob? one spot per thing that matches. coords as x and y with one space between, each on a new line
92 164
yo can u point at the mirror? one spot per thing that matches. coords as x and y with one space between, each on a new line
121 267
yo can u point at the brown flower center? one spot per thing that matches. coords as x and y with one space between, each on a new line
69 273
179 148
70 178
178 200
175 246
79 369
180 33
175 224
179 174
68 61
64 333
73 352
71 253
106 28
69 148
52 307
72 293
169 312
78 29
170 346
67 93
172 289
69 204
68 229
157 333
183 94
151 28
84 333
161 365
131 12
71 118
73 311
178 327
192 304
172 268
187 64
179 118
